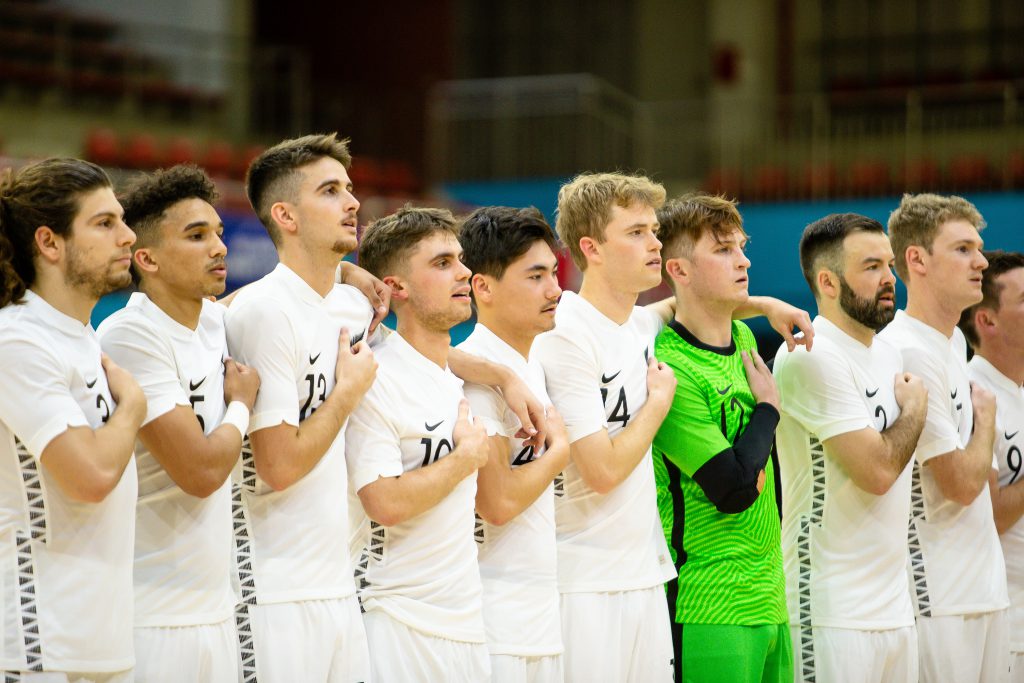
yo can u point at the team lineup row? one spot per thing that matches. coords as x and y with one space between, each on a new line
275 487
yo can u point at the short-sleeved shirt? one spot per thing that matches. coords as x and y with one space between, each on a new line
956 561
423 571
65 566
1008 444
595 371
730 565
182 573
845 550
518 559
299 536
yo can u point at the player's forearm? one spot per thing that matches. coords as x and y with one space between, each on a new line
604 470
730 478
199 464
505 492
104 454
978 461
754 307
1007 503
900 440
664 309
281 462
957 474
213 462
471 368
393 500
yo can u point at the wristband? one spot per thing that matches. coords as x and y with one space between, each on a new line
237 415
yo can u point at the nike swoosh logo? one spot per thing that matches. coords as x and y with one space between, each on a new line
605 380
192 386
431 428
725 391
90 385
1010 436
313 359
871 394
358 338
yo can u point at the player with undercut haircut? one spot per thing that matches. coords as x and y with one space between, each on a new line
956 563
511 253
994 327
306 336
68 420
413 455
715 463
602 376
851 418
171 338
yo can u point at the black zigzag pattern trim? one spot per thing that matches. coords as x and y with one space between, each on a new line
247 582
27 600
922 598
805 634
33 484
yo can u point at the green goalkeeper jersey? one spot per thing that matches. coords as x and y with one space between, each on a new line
730 565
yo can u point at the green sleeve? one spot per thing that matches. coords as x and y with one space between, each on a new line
690 435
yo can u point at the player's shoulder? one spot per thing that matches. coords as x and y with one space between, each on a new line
132 327
261 304
350 297
743 336
826 355
20 327
564 339
900 334
212 314
126 320
645 320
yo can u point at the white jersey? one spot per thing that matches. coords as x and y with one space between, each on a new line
517 560
182 574
596 375
66 581
299 537
844 549
1008 444
422 572
956 562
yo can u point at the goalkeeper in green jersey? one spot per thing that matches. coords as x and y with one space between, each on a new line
714 458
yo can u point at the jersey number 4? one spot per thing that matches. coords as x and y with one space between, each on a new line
620 413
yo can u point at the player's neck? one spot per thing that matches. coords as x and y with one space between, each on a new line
924 304
506 332
317 270
613 303
182 310
710 324
836 316
431 344
1007 360
73 302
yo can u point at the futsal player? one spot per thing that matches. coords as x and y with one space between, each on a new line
601 375
305 335
993 328
717 470
68 420
413 454
851 418
956 563
511 254
171 338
